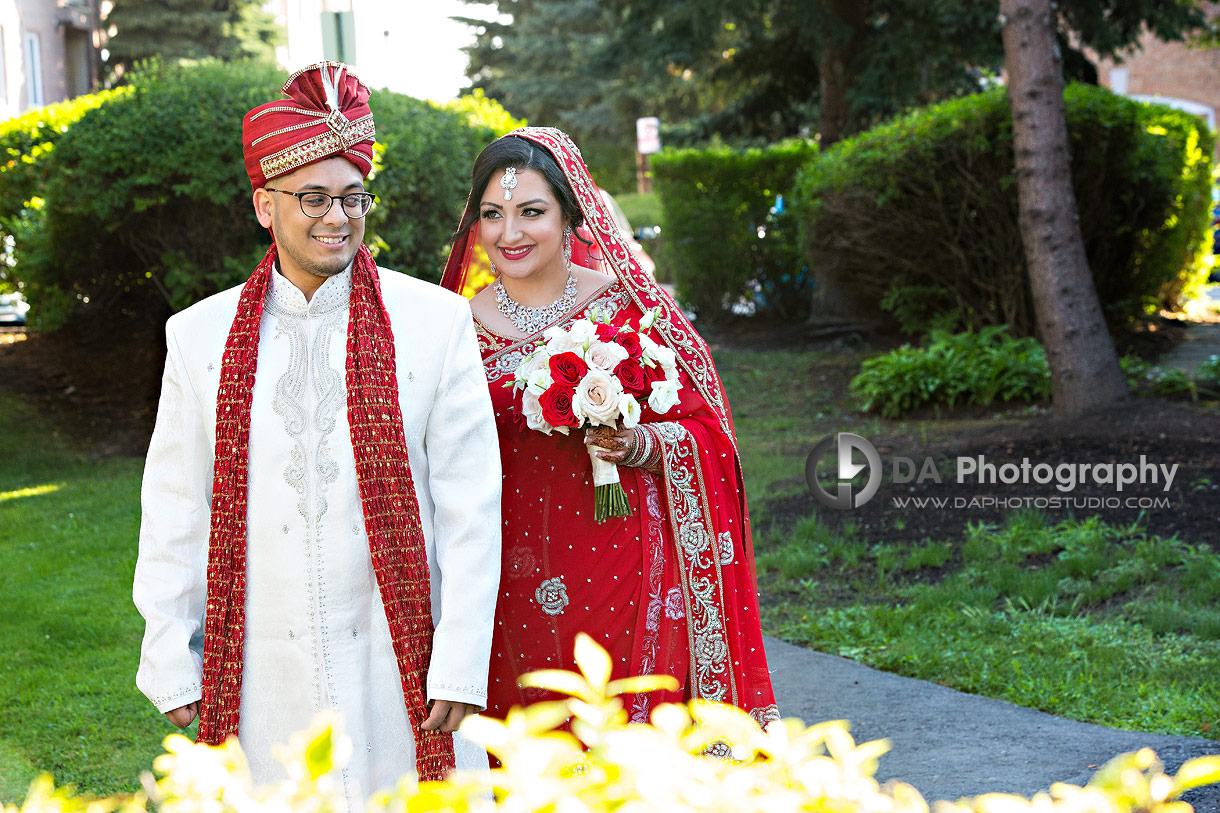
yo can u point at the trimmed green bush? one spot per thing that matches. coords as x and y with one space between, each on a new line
147 204
423 160
483 112
921 213
725 241
147 199
26 142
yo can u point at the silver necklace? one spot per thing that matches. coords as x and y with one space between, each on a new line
530 320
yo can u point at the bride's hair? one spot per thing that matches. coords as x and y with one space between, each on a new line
512 151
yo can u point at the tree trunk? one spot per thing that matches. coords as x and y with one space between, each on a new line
848 22
1084 366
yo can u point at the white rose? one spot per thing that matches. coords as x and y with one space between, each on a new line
532 410
664 396
559 341
539 381
648 319
537 360
583 332
597 398
629 408
605 355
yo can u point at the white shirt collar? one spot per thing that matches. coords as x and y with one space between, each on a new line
334 293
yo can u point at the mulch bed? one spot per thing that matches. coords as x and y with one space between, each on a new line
1163 432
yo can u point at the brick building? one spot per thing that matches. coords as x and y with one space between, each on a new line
1170 73
49 51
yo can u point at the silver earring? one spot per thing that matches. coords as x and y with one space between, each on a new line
567 247
494 272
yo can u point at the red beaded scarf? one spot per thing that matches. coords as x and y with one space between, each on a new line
387 496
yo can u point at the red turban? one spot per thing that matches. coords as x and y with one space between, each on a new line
327 115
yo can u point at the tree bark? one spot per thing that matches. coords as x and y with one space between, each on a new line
1085 374
849 20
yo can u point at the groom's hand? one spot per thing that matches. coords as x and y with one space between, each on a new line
183 715
447 715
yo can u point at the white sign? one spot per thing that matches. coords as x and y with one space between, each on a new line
648 135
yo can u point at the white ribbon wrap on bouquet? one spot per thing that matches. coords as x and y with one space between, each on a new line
604 472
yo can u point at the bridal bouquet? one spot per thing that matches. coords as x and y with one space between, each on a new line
595 374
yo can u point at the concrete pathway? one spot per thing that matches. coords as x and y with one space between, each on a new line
949 744
1202 339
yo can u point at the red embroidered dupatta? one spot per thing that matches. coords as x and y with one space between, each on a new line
703 491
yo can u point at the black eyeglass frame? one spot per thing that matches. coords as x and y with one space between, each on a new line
300 196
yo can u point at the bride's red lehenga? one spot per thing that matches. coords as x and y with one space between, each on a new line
670 589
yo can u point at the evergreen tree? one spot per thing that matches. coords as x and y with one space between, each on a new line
254 33
189 29
762 69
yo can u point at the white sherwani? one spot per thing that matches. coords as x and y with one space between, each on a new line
316 631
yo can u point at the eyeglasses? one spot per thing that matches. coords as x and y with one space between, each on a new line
316 204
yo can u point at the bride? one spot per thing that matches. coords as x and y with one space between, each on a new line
669 589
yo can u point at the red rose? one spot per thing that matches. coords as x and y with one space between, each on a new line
630 342
634 378
606 332
568 368
654 373
556 405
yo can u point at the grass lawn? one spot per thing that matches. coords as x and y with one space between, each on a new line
781 408
70 634
1092 622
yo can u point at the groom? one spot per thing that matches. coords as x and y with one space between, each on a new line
321 496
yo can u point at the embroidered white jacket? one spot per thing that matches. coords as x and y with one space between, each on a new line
316 632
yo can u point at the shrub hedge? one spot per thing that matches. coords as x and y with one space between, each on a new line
717 204
26 142
147 201
423 159
921 213
147 205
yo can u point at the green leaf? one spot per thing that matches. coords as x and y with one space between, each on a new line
319 754
642 683
593 661
557 680
1198 772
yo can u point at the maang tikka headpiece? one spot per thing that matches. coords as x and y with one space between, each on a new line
509 182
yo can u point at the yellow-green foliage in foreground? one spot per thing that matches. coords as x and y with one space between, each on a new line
606 765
